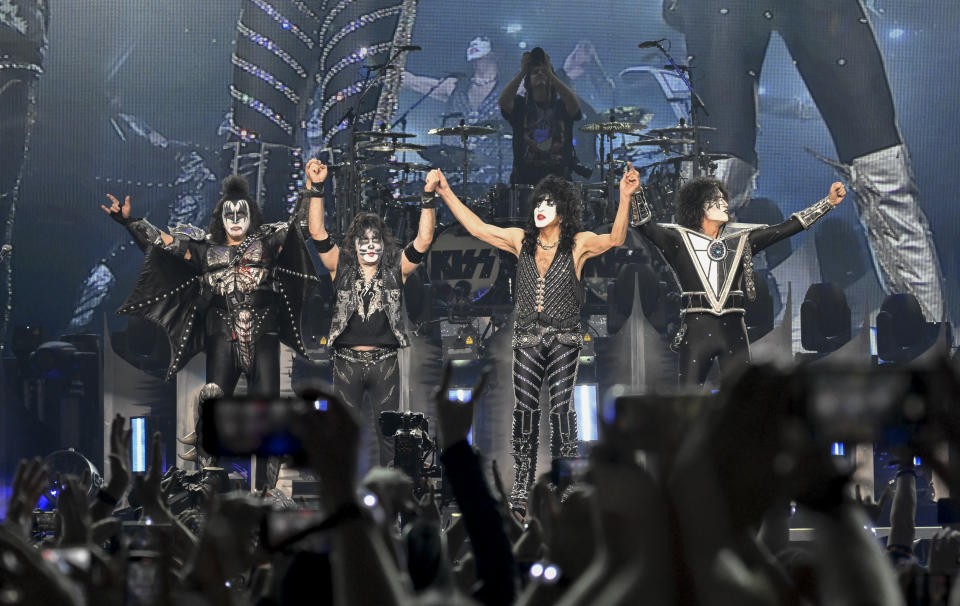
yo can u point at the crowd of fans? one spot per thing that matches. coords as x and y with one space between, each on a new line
704 521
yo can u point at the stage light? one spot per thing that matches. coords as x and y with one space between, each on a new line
551 573
462 394
585 403
138 443
321 405
837 449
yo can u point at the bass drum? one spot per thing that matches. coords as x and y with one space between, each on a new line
462 269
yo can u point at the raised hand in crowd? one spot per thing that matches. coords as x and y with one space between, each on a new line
73 510
29 482
120 467
363 569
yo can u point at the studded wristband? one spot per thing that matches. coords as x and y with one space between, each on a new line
813 213
428 200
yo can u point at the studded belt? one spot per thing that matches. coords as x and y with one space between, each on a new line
697 302
365 357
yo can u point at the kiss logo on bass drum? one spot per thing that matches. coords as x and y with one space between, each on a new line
459 264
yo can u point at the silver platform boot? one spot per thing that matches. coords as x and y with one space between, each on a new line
898 232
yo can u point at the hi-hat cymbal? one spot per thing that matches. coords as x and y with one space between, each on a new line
395 147
679 130
462 130
384 134
609 128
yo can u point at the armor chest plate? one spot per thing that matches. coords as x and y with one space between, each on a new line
231 268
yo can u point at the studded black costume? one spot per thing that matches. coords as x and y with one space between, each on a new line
369 314
236 303
546 348
715 275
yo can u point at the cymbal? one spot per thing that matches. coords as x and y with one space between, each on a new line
662 141
462 130
679 130
384 134
609 128
395 147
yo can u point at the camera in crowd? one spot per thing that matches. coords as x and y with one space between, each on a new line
414 451
537 56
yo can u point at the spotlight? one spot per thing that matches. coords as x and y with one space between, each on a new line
462 394
585 403
138 444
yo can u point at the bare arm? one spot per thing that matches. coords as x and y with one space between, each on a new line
423 84
570 102
590 244
428 219
509 93
316 173
509 239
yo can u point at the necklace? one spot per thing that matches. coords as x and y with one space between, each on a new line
547 246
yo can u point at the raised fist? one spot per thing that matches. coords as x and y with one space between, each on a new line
837 193
316 171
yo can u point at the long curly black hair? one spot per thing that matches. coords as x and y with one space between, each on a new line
691 198
569 209
233 187
360 224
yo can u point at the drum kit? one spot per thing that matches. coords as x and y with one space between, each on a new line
461 264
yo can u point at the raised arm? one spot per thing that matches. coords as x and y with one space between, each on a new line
442 89
144 232
509 239
509 93
570 102
589 244
329 253
413 253
798 221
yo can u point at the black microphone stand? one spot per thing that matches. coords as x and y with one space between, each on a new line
351 175
403 116
696 105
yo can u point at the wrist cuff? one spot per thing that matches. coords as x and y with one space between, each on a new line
324 245
413 255
428 200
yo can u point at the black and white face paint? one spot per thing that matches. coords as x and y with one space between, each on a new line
369 247
236 218
545 211
716 208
